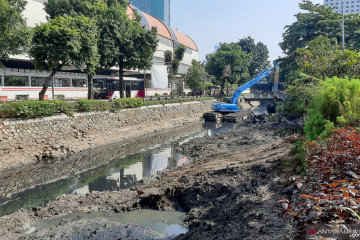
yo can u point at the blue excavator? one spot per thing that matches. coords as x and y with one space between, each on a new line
221 108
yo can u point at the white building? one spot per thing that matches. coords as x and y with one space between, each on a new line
350 6
20 65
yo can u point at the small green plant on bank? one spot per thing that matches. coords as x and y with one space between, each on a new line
60 97
299 164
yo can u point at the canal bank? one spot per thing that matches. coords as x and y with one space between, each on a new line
25 142
111 167
229 189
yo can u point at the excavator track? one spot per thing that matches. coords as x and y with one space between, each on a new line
236 117
213 117
228 117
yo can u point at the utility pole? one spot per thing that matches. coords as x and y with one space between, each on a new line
343 24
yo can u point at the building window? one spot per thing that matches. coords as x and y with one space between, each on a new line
165 41
188 50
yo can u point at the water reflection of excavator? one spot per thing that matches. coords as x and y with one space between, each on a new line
221 108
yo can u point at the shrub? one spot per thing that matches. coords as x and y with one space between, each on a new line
60 97
337 104
331 184
149 103
179 100
103 106
127 103
85 105
64 107
33 109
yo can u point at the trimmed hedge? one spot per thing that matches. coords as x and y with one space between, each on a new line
178 100
85 105
127 103
34 109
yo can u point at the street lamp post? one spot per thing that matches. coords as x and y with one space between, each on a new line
343 25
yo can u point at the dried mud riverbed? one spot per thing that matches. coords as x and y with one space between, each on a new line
230 190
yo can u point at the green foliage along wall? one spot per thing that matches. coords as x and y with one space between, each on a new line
336 104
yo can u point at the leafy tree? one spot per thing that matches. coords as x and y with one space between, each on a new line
64 42
14 34
313 21
173 62
124 42
93 9
195 78
89 8
301 92
259 52
229 64
323 57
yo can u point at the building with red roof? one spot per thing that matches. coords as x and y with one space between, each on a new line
169 39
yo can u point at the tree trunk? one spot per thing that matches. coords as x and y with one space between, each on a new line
90 78
121 78
46 85
221 89
172 79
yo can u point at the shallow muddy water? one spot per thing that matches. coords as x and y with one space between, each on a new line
114 167
164 222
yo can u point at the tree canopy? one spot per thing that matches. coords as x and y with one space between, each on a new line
229 64
14 34
324 57
313 21
88 8
173 62
64 41
124 42
259 52
321 59
195 78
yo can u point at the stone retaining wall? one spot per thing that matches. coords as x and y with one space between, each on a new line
27 141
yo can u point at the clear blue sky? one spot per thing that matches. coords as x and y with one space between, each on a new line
209 22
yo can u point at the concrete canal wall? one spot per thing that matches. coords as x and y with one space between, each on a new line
24 142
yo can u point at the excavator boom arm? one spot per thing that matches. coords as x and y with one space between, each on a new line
232 106
249 84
